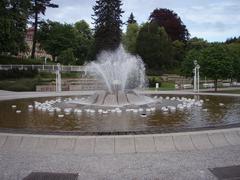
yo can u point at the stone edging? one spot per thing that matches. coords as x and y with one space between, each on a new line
171 142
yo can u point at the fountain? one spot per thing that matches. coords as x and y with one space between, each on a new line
118 107
121 73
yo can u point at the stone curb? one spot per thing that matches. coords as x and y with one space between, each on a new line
154 143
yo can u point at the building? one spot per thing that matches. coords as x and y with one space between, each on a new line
39 53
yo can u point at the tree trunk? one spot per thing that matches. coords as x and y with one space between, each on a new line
53 58
34 35
215 84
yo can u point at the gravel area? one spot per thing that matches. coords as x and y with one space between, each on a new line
168 165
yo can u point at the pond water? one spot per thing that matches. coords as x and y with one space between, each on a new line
211 114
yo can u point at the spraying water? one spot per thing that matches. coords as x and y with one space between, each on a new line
118 70
121 72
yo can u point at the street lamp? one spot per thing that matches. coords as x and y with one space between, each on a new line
196 76
58 78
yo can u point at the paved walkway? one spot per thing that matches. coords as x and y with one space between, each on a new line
134 157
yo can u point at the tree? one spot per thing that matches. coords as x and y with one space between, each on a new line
82 27
197 43
83 50
234 49
179 51
55 37
130 38
131 19
13 23
67 57
216 63
39 7
107 17
171 22
214 60
187 65
232 40
154 47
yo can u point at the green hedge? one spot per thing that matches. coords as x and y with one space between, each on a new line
14 60
18 85
15 73
23 84
152 80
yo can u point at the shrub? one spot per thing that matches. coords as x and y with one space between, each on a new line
15 73
153 80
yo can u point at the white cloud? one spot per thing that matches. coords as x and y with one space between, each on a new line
214 20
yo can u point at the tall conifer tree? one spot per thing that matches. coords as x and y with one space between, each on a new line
107 17
131 19
13 23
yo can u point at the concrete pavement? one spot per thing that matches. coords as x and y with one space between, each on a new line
160 156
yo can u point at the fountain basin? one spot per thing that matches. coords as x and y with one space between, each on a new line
147 118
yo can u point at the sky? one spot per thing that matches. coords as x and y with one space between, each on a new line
212 20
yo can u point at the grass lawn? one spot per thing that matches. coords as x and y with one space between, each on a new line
23 84
18 83
165 86
236 91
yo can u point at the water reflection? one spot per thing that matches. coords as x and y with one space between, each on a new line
210 114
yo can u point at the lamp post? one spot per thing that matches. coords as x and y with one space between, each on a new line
196 76
58 78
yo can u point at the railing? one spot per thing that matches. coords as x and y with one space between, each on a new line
42 67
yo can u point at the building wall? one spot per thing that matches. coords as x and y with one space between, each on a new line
40 53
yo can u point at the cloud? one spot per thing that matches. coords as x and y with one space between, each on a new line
214 20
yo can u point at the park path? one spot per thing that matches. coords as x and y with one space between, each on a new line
185 155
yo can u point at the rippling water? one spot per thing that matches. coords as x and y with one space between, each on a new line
197 117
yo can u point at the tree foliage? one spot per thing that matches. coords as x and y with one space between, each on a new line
131 19
154 46
197 43
83 49
13 19
67 57
216 62
234 52
179 51
171 22
61 39
107 20
55 37
233 40
39 7
130 38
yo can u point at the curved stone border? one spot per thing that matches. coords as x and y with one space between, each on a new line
7 95
120 144
187 93
113 133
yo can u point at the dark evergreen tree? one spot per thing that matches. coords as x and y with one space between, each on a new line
13 23
232 40
171 22
107 17
131 19
155 48
39 7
